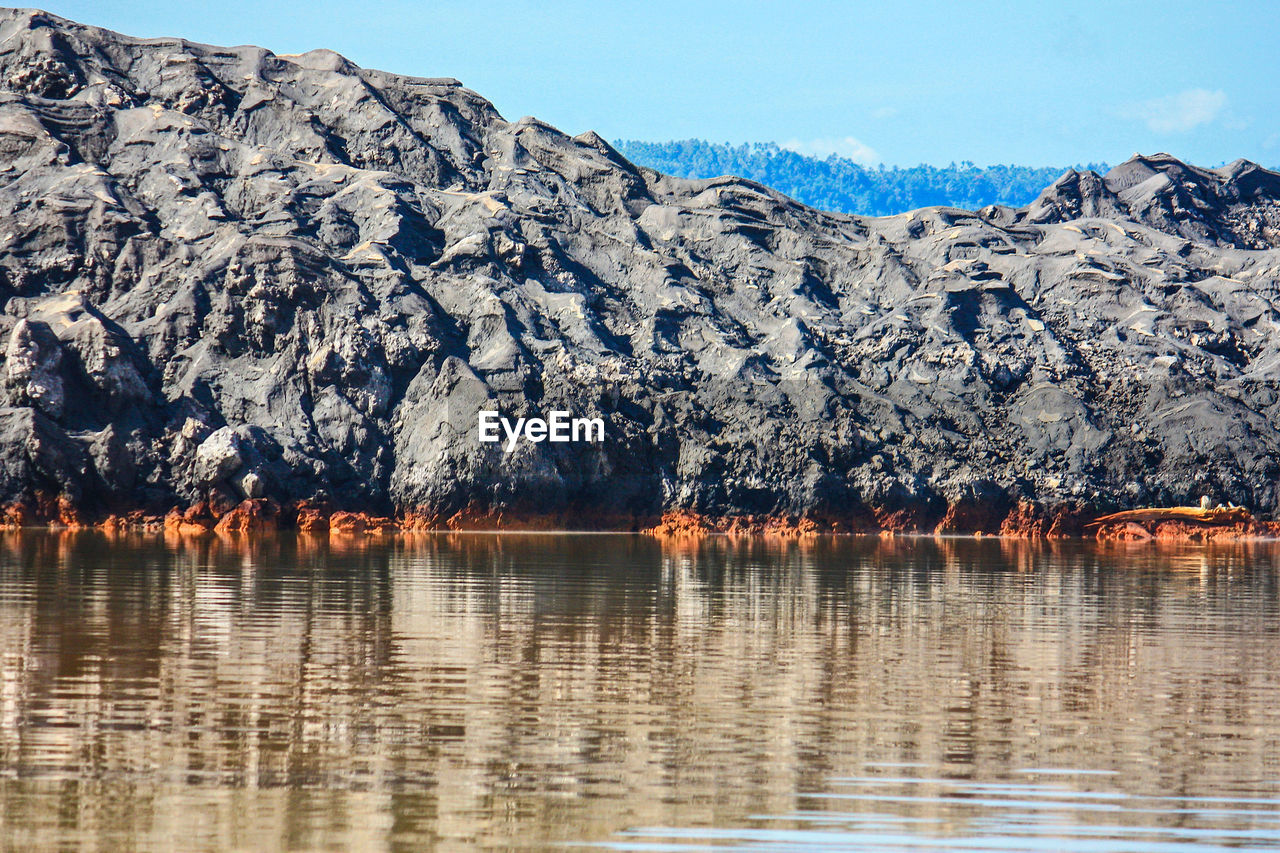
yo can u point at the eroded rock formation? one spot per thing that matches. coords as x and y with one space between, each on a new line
233 276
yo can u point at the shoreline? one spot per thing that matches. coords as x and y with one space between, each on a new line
681 543
1023 521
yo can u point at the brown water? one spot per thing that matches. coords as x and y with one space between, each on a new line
459 691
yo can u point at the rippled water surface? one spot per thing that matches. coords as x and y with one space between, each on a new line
615 692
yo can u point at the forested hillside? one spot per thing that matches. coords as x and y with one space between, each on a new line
842 185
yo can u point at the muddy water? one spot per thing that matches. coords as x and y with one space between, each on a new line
512 691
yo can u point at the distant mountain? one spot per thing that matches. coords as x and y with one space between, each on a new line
843 186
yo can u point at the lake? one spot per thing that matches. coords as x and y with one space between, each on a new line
618 692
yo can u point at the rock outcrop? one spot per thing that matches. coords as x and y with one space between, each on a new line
256 286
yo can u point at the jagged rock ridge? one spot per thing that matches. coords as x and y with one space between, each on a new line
234 273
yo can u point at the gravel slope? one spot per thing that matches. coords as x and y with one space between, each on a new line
226 272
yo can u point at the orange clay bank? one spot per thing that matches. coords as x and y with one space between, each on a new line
1182 524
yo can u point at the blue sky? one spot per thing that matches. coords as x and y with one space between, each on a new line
900 83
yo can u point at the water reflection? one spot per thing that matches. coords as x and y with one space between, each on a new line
525 690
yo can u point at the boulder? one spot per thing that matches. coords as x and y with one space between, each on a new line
33 368
218 456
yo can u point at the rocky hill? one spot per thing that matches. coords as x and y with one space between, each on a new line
230 274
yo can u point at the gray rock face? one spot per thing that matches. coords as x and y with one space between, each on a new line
33 368
218 457
288 276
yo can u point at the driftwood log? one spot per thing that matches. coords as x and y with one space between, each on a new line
1217 516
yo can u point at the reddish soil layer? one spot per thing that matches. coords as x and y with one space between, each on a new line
1185 531
1022 521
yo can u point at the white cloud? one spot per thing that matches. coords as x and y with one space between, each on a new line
1179 113
847 147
